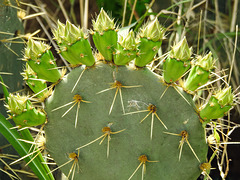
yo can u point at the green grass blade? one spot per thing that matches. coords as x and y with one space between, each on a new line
22 148
27 136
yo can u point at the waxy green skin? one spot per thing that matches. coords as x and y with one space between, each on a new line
37 86
78 53
45 67
214 110
122 57
30 117
127 146
196 78
174 69
147 50
106 43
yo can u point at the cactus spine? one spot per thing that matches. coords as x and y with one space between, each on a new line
117 105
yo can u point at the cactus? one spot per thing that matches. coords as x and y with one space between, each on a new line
119 118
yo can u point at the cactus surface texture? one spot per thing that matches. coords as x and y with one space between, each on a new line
112 117
125 147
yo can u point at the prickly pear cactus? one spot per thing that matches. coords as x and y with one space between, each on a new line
114 119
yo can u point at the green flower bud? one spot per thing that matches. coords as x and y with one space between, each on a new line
28 72
35 49
16 104
152 31
35 84
103 22
68 34
128 42
206 62
225 96
181 51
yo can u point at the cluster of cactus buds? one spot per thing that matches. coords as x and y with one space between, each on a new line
23 113
78 127
41 60
73 44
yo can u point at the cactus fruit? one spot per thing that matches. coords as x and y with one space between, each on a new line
41 60
23 112
178 61
200 72
38 86
104 35
116 119
150 38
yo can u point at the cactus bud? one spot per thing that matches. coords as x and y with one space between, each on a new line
181 51
126 49
152 31
68 34
178 61
225 96
73 43
128 42
16 104
41 60
23 113
206 62
218 105
35 49
150 41
103 22
199 74
104 35
35 84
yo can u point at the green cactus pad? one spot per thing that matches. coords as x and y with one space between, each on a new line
174 69
213 109
147 50
106 43
79 52
30 117
130 139
196 78
45 67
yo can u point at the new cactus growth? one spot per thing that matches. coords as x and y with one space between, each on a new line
105 35
41 60
113 102
126 49
23 112
38 86
200 72
73 44
150 40
218 104
178 61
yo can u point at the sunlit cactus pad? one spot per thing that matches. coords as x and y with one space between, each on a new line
139 89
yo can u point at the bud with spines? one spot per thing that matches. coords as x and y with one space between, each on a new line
38 86
200 72
73 44
126 49
150 40
178 61
104 35
41 60
23 113
218 105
